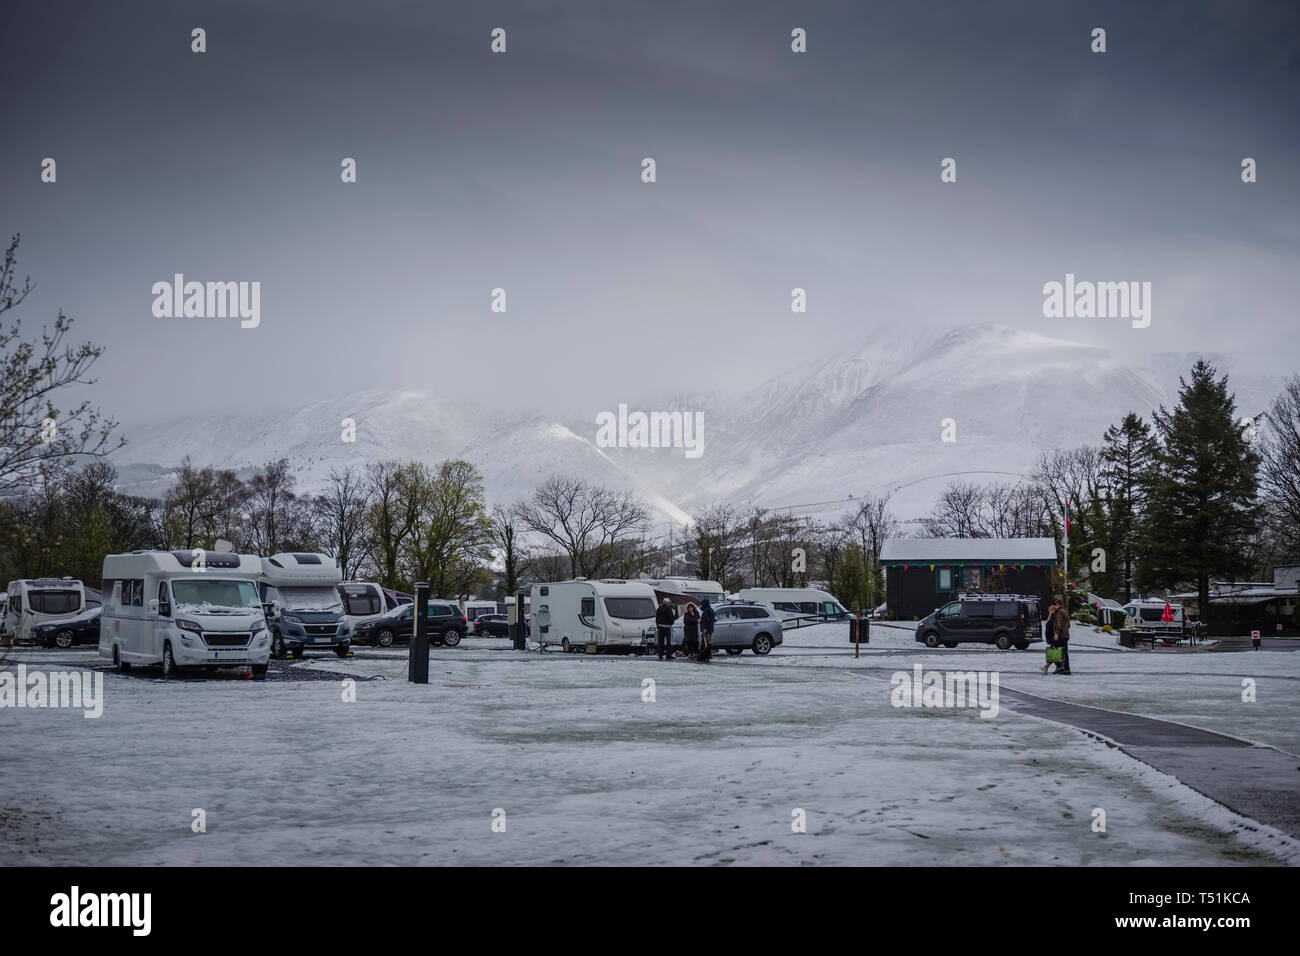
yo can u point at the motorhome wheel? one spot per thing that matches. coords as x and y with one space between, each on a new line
259 671
342 650
277 646
568 648
168 661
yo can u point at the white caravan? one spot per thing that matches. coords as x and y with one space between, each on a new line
33 601
167 608
592 615
366 601
303 608
797 606
693 588
472 609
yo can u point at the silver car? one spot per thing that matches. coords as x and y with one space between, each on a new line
736 627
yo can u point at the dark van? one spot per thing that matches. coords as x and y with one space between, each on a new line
1007 620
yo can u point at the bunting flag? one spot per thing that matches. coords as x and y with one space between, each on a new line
932 567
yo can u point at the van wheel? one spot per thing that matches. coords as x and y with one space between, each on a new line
931 639
343 650
168 661
735 651
451 637
63 639
568 648
385 638
277 646
1003 641
1022 645
762 644
949 643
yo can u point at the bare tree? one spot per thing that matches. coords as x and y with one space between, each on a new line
33 432
586 521
1280 470
506 540
341 517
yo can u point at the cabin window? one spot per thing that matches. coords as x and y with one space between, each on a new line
164 605
945 579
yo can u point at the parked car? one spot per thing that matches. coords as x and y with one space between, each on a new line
447 625
82 629
1007 620
737 626
492 625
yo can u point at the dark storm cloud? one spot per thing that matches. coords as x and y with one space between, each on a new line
522 171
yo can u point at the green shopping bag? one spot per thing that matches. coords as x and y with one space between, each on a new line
1053 655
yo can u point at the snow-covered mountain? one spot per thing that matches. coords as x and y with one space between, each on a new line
869 418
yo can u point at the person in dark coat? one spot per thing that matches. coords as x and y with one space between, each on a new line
691 631
706 630
1062 621
664 618
1049 625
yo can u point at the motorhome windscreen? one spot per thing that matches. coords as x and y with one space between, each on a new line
311 599
213 595
54 602
630 608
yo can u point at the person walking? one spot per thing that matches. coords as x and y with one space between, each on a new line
664 618
706 630
691 631
1062 619
1049 627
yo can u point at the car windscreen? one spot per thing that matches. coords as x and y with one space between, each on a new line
208 595
630 608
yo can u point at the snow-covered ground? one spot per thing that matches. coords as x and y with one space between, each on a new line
711 772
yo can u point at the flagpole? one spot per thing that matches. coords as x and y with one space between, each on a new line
1065 573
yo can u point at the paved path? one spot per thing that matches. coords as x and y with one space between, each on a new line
1257 782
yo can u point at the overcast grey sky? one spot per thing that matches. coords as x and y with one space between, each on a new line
522 170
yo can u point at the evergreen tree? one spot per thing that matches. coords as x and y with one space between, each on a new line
1202 504
1126 456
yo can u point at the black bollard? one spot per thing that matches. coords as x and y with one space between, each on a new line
521 641
417 671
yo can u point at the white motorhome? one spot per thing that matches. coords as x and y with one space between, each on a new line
169 609
366 601
1147 614
592 615
797 606
33 601
694 588
303 608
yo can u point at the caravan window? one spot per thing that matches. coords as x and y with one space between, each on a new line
361 601
55 602
630 609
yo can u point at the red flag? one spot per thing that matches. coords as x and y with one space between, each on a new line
1167 615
